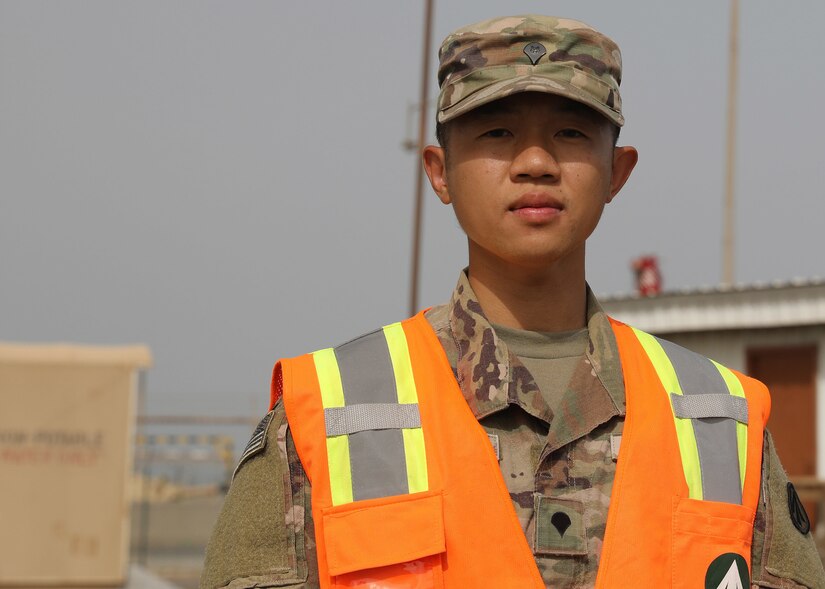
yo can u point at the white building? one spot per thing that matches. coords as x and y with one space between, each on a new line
775 333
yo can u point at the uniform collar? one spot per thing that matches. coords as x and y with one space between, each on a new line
491 378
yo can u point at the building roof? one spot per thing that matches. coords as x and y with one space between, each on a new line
778 304
136 356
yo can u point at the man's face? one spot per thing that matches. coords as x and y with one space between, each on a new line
528 177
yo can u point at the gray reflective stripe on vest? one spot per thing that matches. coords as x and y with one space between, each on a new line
341 421
715 436
376 455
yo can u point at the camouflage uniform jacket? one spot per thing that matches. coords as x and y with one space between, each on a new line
550 463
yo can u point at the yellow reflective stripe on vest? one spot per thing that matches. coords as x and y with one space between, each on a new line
710 416
735 388
329 378
414 451
332 395
358 400
688 449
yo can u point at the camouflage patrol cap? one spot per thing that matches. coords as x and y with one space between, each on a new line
492 59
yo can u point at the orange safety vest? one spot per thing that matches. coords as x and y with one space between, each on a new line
407 490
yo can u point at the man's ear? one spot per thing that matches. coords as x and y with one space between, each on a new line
435 164
624 160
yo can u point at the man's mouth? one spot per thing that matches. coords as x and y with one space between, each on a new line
537 207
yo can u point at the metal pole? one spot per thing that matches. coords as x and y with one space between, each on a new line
728 239
419 168
143 517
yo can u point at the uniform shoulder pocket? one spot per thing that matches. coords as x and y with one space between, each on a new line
259 537
788 555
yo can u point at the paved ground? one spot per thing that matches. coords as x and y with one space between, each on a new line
141 578
171 542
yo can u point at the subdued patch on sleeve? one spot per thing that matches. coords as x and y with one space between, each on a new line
257 442
789 559
254 540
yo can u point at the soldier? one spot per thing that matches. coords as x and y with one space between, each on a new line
478 444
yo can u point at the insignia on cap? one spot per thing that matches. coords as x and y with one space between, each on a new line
798 516
535 51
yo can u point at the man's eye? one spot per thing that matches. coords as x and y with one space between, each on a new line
497 133
570 133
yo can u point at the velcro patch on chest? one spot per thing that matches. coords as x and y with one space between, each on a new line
559 526
615 444
496 447
257 443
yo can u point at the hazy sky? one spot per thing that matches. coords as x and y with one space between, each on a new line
225 181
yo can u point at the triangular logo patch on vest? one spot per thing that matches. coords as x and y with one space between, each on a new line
728 571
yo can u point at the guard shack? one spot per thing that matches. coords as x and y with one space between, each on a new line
67 424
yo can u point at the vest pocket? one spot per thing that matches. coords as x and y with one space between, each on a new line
704 531
392 542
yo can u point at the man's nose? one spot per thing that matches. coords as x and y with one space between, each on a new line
534 160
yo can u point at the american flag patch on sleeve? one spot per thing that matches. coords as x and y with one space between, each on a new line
257 442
